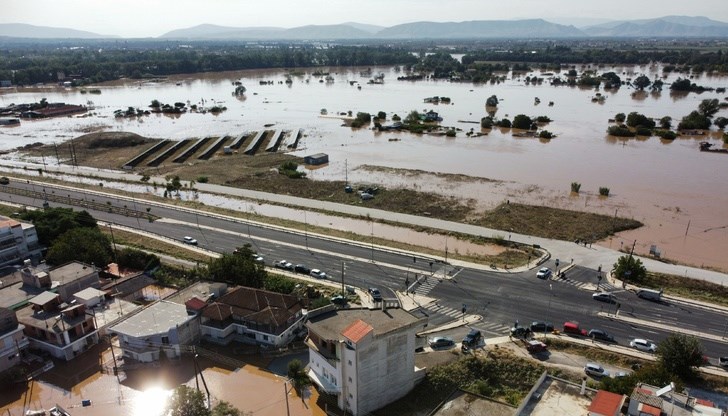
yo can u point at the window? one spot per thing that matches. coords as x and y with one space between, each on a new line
350 380
165 340
349 362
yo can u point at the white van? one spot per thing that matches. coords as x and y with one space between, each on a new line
650 294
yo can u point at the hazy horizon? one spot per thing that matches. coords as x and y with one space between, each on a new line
152 18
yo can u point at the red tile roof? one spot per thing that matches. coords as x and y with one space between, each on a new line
195 304
357 330
256 305
606 403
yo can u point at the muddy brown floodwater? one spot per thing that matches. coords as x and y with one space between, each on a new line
677 191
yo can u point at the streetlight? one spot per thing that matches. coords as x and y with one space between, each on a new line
372 222
305 228
551 294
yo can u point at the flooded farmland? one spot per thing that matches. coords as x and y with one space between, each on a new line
677 191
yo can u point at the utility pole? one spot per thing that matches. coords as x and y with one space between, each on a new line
285 391
305 229
343 288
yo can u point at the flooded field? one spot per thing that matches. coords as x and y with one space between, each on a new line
677 191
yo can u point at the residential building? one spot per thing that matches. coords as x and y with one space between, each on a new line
364 358
161 328
253 316
18 242
316 159
61 329
606 403
12 340
650 400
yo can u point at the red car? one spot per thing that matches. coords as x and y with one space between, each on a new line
574 329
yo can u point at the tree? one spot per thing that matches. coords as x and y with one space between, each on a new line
238 268
708 108
50 223
412 118
486 122
721 122
635 119
641 82
226 409
620 117
297 374
492 101
666 122
522 121
630 268
87 245
137 259
186 401
694 121
679 354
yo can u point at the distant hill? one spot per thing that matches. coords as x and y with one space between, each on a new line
534 28
21 30
668 26
365 27
207 31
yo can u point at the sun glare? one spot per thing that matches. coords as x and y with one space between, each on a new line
151 402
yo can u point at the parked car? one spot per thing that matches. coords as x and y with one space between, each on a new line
375 294
520 332
723 362
541 326
595 370
441 342
473 338
573 328
365 196
604 297
189 240
284 265
300 268
643 345
318 274
338 300
601 335
258 259
650 294
4 180
543 273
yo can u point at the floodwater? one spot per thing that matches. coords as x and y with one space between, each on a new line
677 191
146 391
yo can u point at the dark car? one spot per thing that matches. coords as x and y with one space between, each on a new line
4 180
600 335
541 326
473 338
520 332
300 268
338 300
376 294
441 342
604 297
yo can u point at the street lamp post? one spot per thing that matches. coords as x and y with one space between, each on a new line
551 294
372 236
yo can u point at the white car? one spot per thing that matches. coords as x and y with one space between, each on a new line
604 297
543 273
318 274
285 265
189 240
595 370
643 345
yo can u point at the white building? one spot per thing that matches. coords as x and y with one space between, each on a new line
18 242
163 327
12 339
364 358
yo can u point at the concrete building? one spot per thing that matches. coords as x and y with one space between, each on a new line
61 329
253 316
162 328
18 242
606 403
364 358
650 400
317 159
12 340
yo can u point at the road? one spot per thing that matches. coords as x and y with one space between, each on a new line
501 298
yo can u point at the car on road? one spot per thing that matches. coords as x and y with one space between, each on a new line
643 345
600 335
604 297
520 332
441 342
189 240
573 328
473 338
541 326
284 265
375 294
318 274
300 268
595 370
723 362
258 259
543 273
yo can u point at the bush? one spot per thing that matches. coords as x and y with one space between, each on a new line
450 133
543 119
202 179
620 117
620 131
290 169
694 121
643 131
603 191
666 134
382 115
635 119
504 122
486 122
575 187
522 121
545 134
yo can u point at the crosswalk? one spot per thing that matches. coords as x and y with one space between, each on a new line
494 328
603 287
426 283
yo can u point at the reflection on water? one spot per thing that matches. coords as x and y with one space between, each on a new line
150 402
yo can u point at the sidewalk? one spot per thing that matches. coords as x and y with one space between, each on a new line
590 257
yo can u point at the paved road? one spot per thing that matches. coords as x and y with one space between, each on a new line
501 298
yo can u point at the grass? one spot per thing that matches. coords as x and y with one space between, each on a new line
153 245
592 353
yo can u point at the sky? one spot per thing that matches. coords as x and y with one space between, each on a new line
151 18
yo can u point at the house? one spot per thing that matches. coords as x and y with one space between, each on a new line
253 316
650 400
161 328
61 329
364 358
431 116
606 403
66 280
12 339
89 297
18 242
317 159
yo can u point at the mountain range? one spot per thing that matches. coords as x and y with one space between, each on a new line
667 26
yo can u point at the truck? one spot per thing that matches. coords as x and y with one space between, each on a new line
650 294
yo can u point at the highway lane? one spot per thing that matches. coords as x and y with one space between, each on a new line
502 298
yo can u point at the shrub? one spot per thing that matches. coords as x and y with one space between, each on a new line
620 117
635 119
545 134
450 133
522 121
543 119
643 131
504 122
486 122
575 187
666 122
694 121
202 179
603 191
382 115
396 118
666 134
620 131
